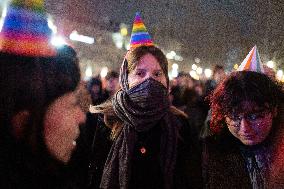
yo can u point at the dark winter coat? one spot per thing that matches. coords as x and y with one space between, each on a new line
224 166
145 170
20 168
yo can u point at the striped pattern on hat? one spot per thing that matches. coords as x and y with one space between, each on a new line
140 35
25 29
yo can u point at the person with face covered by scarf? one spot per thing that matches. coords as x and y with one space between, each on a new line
153 145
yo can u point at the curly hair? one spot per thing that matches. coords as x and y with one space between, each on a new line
239 87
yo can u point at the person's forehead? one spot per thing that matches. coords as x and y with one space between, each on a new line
148 61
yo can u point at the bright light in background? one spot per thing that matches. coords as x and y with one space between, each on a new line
58 41
199 70
194 67
236 66
51 26
88 72
194 75
81 38
171 55
208 73
197 60
2 19
123 31
118 40
178 58
104 72
270 64
279 74
127 46
175 66
174 72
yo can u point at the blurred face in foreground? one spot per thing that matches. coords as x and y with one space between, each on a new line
147 67
61 126
253 125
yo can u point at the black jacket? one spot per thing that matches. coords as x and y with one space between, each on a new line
188 167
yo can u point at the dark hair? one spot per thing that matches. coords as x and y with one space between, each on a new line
94 81
33 83
239 87
110 118
135 55
112 74
217 68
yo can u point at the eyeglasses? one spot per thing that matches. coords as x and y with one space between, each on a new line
251 118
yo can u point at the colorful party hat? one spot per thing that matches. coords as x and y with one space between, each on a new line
140 35
252 62
25 29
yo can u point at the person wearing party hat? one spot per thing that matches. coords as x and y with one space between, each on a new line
152 142
39 113
246 116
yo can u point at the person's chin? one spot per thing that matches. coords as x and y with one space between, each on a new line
249 142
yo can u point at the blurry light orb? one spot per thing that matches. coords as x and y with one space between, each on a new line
171 55
51 26
208 73
270 64
197 60
279 74
175 66
123 31
58 41
104 72
199 70
236 66
4 13
89 72
194 67
194 75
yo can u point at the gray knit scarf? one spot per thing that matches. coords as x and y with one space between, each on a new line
140 108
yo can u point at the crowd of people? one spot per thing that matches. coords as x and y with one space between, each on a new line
142 130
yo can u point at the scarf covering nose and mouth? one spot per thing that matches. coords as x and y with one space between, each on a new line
140 108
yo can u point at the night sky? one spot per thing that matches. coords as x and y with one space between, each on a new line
220 31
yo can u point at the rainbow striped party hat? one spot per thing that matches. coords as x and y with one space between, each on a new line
252 62
24 29
140 35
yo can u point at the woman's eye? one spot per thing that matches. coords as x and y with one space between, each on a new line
139 73
255 116
158 74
